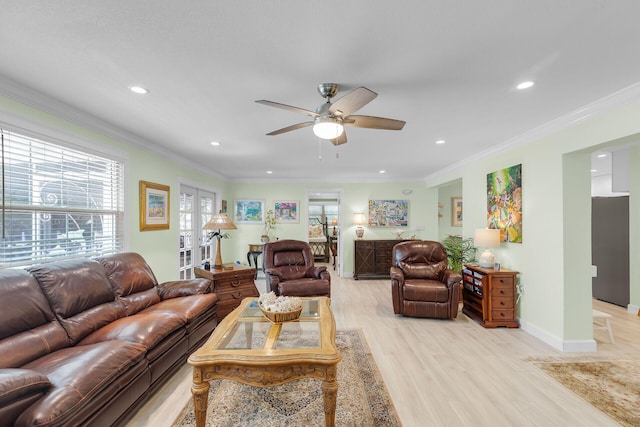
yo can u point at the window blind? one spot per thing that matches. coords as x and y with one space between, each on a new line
57 202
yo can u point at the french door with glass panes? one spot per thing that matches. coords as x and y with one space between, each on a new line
196 208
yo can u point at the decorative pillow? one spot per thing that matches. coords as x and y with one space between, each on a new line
315 230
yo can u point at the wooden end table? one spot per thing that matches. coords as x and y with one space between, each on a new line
248 348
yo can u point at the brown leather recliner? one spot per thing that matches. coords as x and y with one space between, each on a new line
289 270
421 284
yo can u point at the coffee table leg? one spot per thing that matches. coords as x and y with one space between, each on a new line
329 395
200 392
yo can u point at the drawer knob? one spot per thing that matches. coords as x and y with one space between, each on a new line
235 284
501 302
236 295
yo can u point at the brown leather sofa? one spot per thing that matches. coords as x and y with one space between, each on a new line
289 270
421 284
86 342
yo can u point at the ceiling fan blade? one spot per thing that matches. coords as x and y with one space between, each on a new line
288 107
353 101
290 128
342 139
372 122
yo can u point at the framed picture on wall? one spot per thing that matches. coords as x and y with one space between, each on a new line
456 211
286 211
154 206
248 211
388 213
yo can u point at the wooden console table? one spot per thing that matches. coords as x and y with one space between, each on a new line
231 286
373 258
489 296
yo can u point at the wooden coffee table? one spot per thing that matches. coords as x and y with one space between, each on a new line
248 348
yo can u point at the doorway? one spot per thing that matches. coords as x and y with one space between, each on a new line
197 206
324 213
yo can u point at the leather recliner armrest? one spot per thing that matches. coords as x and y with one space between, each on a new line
451 278
183 288
315 272
397 274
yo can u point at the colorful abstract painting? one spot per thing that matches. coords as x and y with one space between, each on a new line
504 203
286 211
388 213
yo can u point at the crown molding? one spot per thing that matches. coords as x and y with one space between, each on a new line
46 104
604 105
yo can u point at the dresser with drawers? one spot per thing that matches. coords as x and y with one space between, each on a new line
232 285
489 296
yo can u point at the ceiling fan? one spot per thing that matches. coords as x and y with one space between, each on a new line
329 118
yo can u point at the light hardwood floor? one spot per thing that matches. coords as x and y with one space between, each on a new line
447 373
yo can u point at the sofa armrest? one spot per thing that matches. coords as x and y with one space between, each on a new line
315 272
272 280
183 288
20 384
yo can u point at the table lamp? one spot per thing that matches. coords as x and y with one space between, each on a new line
334 222
359 220
486 238
219 222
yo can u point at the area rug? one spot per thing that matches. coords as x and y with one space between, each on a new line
611 386
362 397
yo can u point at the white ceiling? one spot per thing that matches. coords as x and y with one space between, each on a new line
448 68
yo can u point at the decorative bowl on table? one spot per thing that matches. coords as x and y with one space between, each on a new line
281 316
280 309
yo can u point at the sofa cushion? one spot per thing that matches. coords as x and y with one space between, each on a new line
28 326
80 295
305 287
18 383
191 309
101 364
147 329
132 280
425 290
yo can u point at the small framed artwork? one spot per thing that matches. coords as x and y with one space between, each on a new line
223 207
456 211
154 206
286 211
248 211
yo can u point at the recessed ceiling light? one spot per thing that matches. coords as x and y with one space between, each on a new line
594 170
269 172
525 85
440 141
602 155
382 171
138 89
215 143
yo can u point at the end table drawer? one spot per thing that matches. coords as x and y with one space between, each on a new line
497 315
500 303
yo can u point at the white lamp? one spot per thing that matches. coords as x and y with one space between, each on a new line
328 128
486 238
359 220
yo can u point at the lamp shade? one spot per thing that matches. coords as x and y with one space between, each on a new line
359 219
486 238
327 128
219 222
334 222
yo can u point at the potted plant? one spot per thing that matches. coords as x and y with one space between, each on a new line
269 226
459 251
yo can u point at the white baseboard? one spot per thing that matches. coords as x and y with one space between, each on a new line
633 309
569 346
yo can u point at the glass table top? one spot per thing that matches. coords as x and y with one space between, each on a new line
253 331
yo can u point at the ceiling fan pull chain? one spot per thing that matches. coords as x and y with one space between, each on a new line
319 149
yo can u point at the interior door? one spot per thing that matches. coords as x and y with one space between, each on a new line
610 249
196 208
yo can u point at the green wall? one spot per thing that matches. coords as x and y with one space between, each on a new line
423 212
158 247
554 259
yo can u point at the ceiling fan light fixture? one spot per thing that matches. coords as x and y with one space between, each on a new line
327 128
